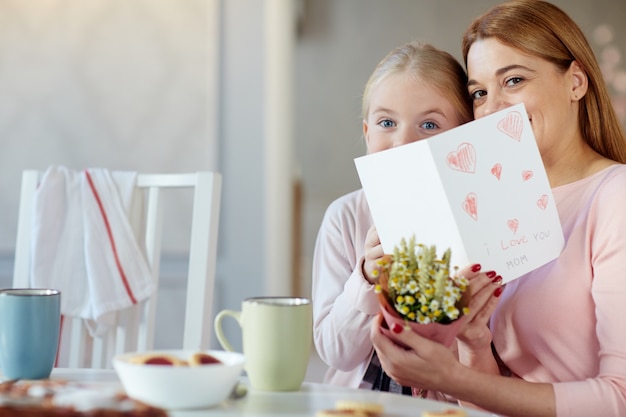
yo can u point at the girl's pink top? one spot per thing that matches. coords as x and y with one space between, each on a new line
564 323
344 303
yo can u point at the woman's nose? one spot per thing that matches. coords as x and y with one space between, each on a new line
494 103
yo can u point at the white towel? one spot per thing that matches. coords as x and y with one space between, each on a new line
84 245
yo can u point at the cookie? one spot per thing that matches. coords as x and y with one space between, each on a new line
342 413
200 358
157 359
370 409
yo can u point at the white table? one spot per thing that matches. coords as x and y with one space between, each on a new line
304 403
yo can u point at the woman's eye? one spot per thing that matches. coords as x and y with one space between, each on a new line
478 94
429 125
386 123
513 80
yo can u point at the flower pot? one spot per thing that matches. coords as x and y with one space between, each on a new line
438 332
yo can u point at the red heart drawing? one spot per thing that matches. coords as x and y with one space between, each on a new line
470 206
526 174
543 202
496 170
513 224
512 125
463 159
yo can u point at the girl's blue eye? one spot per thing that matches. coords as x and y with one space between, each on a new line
386 123
429 125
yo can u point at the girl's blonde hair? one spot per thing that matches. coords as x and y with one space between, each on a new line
428 64
543 30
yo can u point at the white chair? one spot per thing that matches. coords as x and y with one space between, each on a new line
135 327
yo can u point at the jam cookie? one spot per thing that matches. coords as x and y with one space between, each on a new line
157 359
200 358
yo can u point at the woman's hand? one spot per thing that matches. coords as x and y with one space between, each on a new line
475 336
426 364
373 252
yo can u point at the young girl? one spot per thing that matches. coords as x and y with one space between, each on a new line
415 92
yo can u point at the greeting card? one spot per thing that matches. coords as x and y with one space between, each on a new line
480 189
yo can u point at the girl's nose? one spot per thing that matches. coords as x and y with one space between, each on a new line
405 136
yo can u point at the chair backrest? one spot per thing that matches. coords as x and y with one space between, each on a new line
134 328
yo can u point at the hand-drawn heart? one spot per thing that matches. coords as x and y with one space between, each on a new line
543 202
512 125
513 224
470 206
463 159
527 174
496 170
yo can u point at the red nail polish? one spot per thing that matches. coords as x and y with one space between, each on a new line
497 280
396 328
476 267
491 274
497 292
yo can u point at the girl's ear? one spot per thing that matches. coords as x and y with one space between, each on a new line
580 81
365 128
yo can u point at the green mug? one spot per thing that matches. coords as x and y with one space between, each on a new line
277 335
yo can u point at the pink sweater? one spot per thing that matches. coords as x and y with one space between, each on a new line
564 322
344 303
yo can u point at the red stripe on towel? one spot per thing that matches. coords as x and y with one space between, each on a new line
113 247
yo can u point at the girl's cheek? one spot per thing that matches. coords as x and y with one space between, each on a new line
374 146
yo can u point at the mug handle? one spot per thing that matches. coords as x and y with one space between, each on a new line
218 327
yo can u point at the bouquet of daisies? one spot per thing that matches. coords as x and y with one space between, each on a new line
420 287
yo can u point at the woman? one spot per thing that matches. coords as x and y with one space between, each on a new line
415 92
559 347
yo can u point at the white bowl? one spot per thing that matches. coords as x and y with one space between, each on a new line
180 387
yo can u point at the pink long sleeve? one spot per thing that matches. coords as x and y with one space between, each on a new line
563 323
344 303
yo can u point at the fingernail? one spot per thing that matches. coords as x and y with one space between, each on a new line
476 267
497 292
497 280
491 274
396 328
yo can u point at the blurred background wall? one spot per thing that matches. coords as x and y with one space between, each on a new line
267 92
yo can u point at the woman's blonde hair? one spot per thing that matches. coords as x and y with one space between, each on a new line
543 30
428 64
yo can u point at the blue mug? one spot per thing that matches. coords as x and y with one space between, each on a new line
30 320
